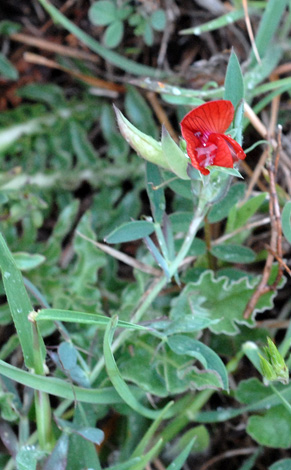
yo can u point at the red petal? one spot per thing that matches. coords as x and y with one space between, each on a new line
236 148
212 117
223 155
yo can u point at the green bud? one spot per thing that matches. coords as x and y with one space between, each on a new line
147 147
273 366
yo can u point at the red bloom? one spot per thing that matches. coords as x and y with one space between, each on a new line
203 129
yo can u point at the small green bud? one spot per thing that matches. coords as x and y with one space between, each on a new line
147 147
273 366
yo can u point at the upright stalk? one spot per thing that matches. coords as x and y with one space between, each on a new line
158 284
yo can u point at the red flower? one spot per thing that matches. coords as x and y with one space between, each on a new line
203 129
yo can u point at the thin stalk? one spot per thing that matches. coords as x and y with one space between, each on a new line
157 285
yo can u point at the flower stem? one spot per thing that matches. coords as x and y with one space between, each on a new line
157 285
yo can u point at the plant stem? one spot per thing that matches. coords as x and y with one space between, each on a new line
157 285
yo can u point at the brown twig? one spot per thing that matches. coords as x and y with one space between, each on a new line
161 115
92 81
123 257
227 455
276 237
250 31
52 46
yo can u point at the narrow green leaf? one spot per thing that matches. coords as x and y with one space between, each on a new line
81 317
220 22
233 84
286 221
130 231
145 459
151 431
181 459
268 26
117 381
61 388
19 304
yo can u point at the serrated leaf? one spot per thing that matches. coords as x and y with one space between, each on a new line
175 157
233 253
130 231
184 345
164 372
223 300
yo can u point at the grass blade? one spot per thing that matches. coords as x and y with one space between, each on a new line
19 304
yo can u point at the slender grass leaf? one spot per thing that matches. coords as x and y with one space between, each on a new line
112 57
19 304
117 381
148 456
268 26
81 317
130 231
222 21
61 388
181 459
125 465
151 431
